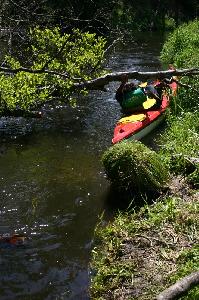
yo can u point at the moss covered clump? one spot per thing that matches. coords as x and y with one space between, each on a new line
131 166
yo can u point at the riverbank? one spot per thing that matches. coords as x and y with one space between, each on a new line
148 248
145 250
141 253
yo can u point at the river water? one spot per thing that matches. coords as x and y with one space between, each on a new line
53 188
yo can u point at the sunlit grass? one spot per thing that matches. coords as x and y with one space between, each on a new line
180 145
146 244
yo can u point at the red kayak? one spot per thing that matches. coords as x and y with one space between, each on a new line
138 125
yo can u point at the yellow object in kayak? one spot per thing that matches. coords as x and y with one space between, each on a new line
143 84
132 118
149 103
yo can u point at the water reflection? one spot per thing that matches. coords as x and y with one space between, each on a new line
53 188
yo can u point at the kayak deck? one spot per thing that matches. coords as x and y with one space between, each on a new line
145 123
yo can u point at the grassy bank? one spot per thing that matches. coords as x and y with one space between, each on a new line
142 252
179 146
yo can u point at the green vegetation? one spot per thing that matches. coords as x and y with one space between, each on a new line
180 144
60 42
99 16
181 49
181 140
78 56
134 168
141 253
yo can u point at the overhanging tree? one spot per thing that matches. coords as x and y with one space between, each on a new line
57 61
58 64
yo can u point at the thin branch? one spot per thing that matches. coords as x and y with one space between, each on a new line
28 10
106 50
39 71
112 45
180 288
187 86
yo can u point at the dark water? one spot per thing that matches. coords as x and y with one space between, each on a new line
53 188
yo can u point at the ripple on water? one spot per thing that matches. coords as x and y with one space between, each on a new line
52 187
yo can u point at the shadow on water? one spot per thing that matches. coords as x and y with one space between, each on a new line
118 202
122 201
53 188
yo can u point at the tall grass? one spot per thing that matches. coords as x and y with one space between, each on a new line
181 49
181 140
180 143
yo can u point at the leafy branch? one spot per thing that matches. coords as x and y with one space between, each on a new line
60 65
100 82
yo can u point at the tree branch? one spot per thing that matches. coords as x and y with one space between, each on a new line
27 70
187 86
100 82
180 288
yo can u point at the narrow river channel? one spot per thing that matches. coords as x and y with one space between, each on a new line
53 187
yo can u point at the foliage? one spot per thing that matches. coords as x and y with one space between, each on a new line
170 23
103 17
78 56
138 16
134 167
181 142
181 49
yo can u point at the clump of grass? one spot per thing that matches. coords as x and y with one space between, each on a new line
131 166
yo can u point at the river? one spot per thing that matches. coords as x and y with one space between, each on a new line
53 188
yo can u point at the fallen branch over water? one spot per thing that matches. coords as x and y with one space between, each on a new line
180 288
100 82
